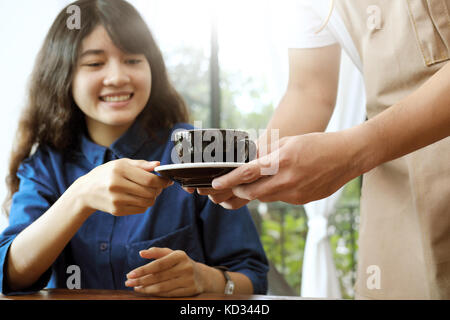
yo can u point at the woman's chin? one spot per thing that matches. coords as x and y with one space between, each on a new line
119 122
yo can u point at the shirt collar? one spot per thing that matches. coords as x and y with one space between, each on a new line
125 146
130 142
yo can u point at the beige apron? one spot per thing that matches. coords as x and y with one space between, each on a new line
404 237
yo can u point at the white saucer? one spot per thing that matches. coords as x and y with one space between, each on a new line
199 165
198 175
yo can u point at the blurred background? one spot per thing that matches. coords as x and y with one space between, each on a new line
228 59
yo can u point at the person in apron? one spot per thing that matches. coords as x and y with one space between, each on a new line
403 149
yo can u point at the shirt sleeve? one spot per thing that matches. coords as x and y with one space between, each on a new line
231 240
33 198
303 23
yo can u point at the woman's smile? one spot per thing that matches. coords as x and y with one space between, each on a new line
116 100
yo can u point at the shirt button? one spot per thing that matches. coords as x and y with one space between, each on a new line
103 246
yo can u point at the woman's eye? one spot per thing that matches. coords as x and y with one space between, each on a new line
133 61
93 64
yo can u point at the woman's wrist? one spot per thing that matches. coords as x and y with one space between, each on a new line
77 196
212 279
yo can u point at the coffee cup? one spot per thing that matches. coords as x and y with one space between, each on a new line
213 145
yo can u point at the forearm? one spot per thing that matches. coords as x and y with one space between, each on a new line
215 281
311 92
35 249
301 111
295 116
416 121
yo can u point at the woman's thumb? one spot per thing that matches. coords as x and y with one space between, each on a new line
146 165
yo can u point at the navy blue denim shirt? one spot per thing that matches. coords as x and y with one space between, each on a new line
107 247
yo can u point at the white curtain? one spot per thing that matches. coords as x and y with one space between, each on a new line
319 277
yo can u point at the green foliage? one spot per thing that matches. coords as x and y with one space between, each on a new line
244 117
188 69
283 233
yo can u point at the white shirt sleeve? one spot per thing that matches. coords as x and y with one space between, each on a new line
303 22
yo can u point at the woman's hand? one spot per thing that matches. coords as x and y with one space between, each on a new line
172 274
121 187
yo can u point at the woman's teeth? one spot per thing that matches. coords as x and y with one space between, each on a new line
116 98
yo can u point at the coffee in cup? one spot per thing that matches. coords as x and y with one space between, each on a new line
213 145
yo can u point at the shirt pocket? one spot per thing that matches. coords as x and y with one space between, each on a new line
431 23
185 239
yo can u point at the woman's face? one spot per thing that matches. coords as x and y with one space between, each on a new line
111 87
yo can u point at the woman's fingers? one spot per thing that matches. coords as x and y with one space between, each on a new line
222 197
176 271
143 164
234 203
122 186
165 288
210 191
139 172
216 196
226 198
165 262
123 203
155 253
125 199
166 266
189 189
130 187
134 184
171 274
145 178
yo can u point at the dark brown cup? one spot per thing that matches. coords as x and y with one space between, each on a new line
214 145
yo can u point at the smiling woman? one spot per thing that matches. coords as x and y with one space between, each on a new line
100 115
52 114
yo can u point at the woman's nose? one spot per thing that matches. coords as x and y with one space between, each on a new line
116 76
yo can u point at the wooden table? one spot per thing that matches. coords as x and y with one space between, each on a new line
90 294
